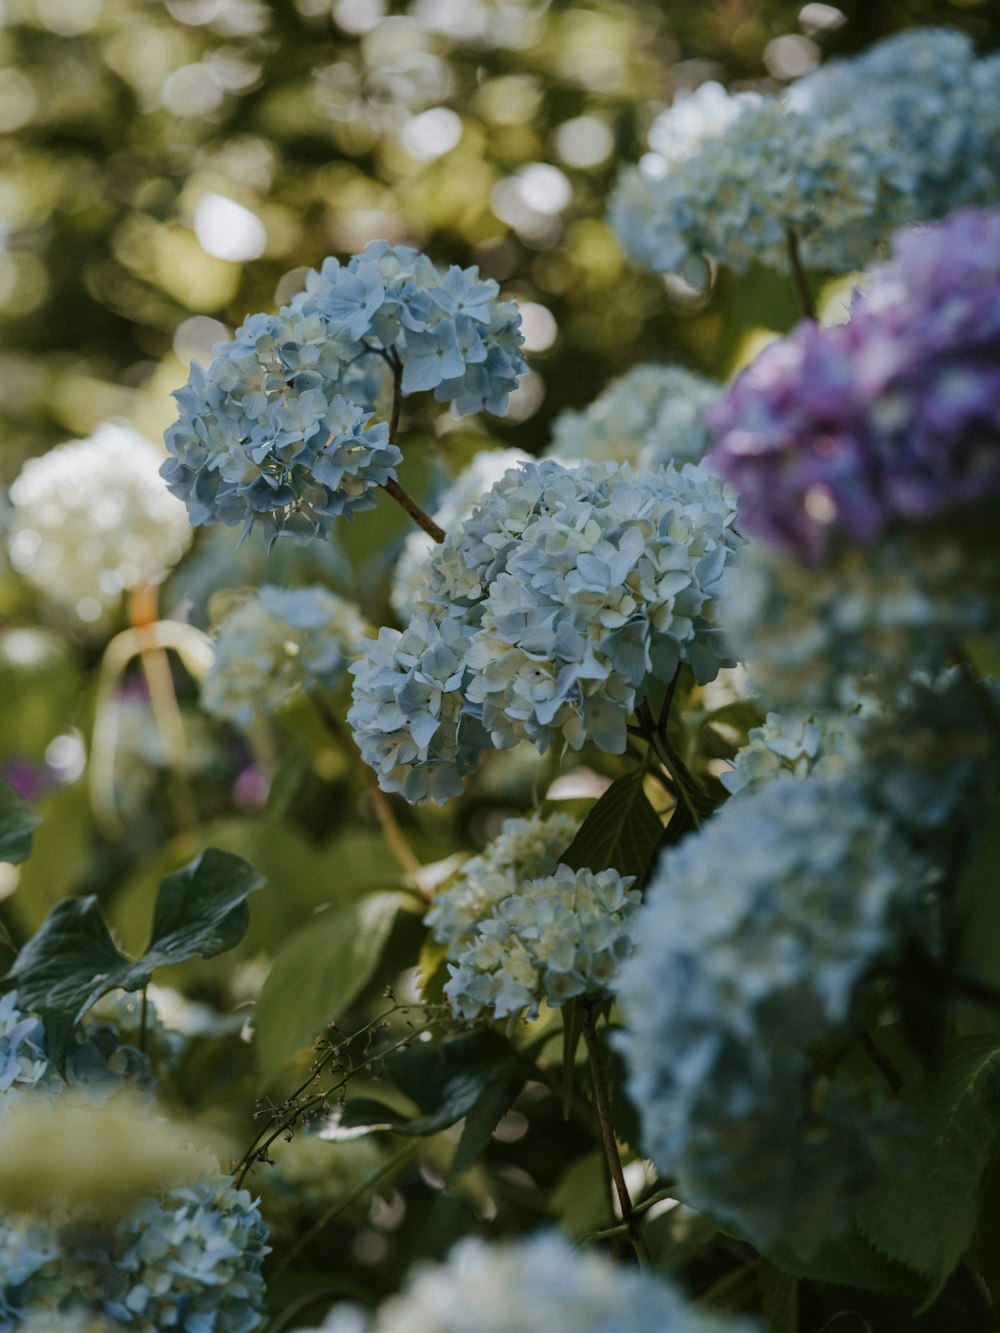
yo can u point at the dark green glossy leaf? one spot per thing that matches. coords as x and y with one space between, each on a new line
72 960
481 1120
621 831
445 1082
201 910
926 1216
17 822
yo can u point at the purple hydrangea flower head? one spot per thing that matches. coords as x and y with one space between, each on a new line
893 416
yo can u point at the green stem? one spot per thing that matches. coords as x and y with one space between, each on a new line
608 1134
881 1062
799 274
394 836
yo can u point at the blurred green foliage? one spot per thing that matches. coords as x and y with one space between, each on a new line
127 121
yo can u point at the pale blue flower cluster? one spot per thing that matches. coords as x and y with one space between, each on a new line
729 177
97 1060
540 1282
545 615
279 431
409 715
189 1260
525 849
23 1061
278 645
548 940
936 105
650 416
881 611
454 507
733 978
825 742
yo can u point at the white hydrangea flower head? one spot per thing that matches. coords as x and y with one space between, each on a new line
880 611
547 940
733 977
525 849
760 170
92 519
934 103
651 416
825 742
455 506
542 1282
278 645
410 717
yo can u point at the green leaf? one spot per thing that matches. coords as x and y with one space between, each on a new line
17 821
779 1298
481 1120
445 1082
580 1201
848 1261
926 1217
317 973
201 910
621 831
66 966
72 960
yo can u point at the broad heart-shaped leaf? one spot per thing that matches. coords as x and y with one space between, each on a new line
621 831
849 1261
71 960
17 821
201 910
926 1217
317 973
445 1082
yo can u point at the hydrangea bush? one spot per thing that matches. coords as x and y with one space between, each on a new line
629 954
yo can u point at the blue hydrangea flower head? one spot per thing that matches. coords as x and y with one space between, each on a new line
453 508
546 940
23 1060
928 95
879 612
561 595
280 431
276 646
542 1282
525 849
651 416
733 977
729 176
410 716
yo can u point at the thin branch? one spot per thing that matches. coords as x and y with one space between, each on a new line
608 1134
799 274
394 836
419 516
882 1063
